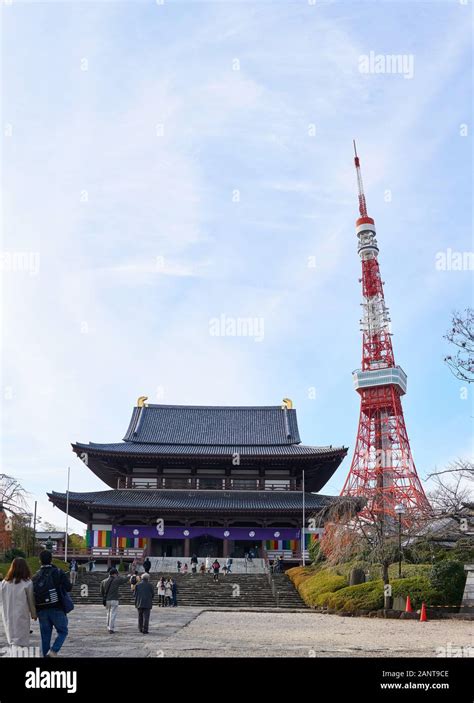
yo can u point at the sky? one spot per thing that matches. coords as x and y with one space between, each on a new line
166 165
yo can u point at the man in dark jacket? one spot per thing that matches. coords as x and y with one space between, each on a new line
109 590
174 591
48 583
144 602
147 565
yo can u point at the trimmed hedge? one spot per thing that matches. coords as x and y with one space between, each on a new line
364 596
448 577
313 582
418 588
328 586
299 574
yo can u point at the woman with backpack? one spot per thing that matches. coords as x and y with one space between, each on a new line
18 603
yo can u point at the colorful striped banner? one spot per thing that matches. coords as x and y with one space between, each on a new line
99 538
275 545
132 542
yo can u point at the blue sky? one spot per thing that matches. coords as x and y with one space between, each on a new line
173 163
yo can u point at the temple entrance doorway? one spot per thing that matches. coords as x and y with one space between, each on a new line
206 545
167 547
243 547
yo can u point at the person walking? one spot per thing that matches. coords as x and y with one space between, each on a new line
208 564
144 592
178 564
229 564
194 563
17 600
49 583
147 565
174 592
202 568
134 580
168 593
215 567
109 590
73 568
160 587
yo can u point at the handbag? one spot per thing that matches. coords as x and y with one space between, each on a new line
66 600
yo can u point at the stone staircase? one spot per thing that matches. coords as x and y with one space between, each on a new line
199 590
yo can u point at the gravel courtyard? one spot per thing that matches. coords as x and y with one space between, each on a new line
192 632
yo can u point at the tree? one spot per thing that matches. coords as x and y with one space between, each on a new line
12 495
461 336
372 539
76 542
22 532
48 526
452 488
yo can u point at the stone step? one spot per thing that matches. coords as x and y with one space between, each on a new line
200 590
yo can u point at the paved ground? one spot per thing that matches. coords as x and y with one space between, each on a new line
192 632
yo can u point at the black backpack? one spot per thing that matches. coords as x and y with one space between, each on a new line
45 587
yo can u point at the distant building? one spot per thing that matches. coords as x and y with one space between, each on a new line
5 531
51 540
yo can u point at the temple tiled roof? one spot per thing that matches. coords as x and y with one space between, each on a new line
213 425
144 500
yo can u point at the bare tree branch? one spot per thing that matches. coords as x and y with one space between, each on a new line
461 336
12 494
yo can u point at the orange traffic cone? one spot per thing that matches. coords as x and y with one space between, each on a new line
408 608
423 617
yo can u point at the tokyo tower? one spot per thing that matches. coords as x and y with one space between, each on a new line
382 470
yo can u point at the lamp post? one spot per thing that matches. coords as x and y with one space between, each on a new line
400 510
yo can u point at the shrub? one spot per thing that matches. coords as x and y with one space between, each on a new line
418 588
298 574
323 582
10 554
315 552
448 578
409 570
463 551
364 596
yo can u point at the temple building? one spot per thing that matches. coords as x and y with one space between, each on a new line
203 480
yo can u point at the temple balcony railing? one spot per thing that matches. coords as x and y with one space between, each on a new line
224 484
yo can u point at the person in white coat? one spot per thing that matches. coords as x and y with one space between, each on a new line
18 604
161 588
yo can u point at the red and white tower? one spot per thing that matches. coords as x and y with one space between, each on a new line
382 470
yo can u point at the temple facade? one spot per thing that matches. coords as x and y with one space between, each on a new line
203 480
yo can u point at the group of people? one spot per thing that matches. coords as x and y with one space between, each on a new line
143 592
41 597
44 597
206 567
